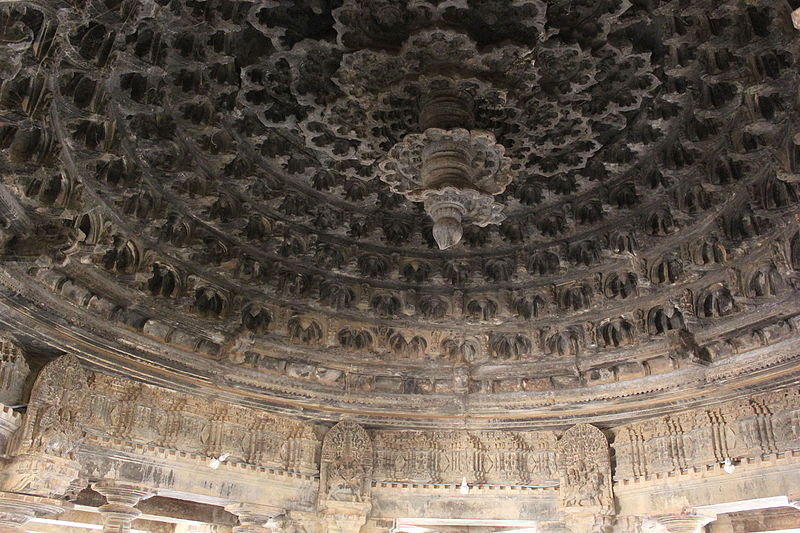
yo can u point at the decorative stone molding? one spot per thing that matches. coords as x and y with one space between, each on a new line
120 511
17 509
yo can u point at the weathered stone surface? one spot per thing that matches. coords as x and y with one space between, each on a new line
332 263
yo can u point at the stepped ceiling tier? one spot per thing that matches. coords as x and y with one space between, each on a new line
239 197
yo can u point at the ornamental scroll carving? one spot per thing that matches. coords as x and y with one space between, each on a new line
585 469
346 464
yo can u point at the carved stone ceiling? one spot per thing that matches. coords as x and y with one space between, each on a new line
215 194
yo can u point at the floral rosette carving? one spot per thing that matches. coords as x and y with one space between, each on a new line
455 172
409 168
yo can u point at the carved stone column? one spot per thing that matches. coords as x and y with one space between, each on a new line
253 518
119 512
17 509
684 522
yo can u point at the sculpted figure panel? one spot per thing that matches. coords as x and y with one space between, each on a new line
346 463
585 469
44 448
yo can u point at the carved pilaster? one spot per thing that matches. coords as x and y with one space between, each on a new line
120 511
16 510
253 518
684 522
13 372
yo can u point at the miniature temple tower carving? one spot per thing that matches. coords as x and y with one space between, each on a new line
585 471
345 476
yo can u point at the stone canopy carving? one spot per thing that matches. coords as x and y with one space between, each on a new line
223 186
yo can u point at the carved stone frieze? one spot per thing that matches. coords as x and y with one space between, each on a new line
151 415
761 424
493 457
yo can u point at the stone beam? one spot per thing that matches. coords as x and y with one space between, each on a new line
393 501
190 477
769 476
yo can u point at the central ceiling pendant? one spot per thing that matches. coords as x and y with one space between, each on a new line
453 169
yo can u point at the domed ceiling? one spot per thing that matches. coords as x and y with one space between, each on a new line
239 198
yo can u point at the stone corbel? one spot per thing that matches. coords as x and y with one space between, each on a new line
589 521
690 521
16 510
794 499
253 518
120 511
345 517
